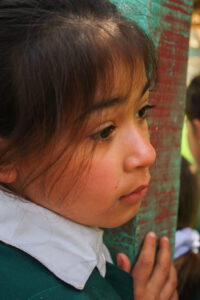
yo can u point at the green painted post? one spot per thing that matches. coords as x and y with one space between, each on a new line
168 23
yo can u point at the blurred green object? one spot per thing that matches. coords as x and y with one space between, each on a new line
185 150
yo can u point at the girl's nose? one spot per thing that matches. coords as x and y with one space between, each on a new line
140 152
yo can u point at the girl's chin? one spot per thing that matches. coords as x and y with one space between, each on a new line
119 223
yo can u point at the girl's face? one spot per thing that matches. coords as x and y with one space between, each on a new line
109 192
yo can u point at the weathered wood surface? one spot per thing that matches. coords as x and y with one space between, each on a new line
168 22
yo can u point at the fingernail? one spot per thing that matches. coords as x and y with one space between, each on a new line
152 234
165 238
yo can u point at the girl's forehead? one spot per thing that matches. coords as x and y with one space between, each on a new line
122 82
123 90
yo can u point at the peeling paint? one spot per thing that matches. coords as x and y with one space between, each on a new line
168 23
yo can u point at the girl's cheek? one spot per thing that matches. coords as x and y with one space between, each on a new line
104 172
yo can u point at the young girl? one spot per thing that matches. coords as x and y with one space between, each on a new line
187 242
75 152
192 111
187 258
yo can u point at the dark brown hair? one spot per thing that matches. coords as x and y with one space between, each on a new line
188 197
188 265
53 57
188 270
192 108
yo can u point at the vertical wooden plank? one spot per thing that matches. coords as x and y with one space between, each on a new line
168 23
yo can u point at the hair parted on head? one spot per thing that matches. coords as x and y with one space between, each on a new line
54 55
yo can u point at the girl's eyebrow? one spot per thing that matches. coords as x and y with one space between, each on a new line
107 103
104 104
146 87
111 102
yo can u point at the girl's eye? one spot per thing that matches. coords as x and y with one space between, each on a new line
104 134
143 112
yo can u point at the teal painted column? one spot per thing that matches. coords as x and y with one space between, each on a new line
168 23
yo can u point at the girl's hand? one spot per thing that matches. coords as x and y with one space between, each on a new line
152 281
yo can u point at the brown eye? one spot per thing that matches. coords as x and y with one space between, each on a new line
143 112
104 134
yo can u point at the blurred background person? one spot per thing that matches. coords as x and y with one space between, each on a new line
187 258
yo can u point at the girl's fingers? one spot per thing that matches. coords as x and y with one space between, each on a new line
158 280
162 268
144 266
123 262
169 289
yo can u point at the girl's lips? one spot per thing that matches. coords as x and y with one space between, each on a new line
136 195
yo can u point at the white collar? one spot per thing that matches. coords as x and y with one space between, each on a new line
186 239
69 250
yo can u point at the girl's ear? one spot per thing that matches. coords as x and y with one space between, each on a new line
8 174
196 124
